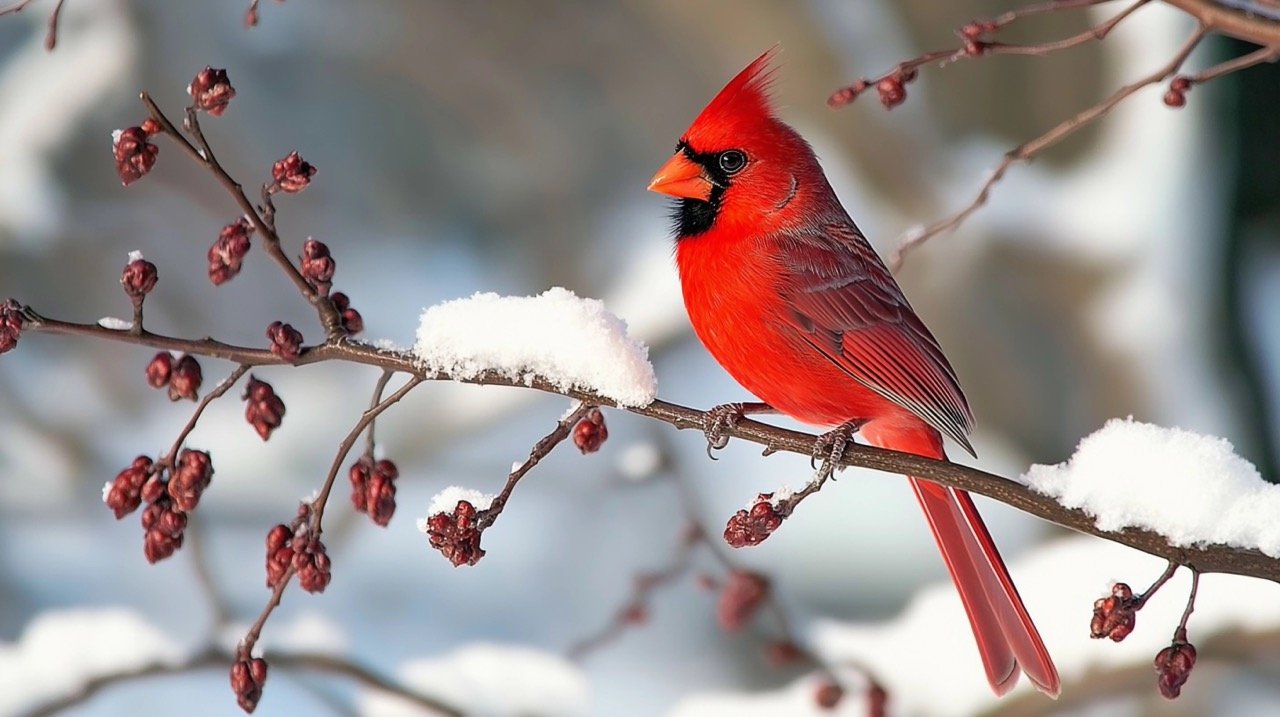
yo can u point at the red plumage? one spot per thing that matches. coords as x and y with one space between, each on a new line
790 298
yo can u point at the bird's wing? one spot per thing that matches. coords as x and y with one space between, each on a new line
846 304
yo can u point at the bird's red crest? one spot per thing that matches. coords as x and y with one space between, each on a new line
743 105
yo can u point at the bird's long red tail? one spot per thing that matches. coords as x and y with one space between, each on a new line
1007 639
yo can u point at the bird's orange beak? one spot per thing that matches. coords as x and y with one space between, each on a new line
682 178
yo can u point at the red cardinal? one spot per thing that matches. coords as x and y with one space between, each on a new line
788 296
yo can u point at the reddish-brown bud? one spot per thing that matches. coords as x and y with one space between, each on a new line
286 341
590 433
782 653
1175 98
150 127
159 369
292 174
264 410
185 379
311 562
227 253
1181 83
211 91
279 554
125 494
138 278
743 594
877 700
456 535
359 476
1114 616
352 322
317 265
134 155
163 525
828 694
1173 667
11 322
190 477
248 675
751 527
892 92
380 494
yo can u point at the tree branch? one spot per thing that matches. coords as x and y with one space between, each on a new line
1206 559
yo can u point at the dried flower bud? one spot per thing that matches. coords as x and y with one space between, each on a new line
190 477
248 675
1173 667
135 156
316 265
456 535
975 48
185 379
380 494
286 341
292 174
311 562
264 410
279 554
138 278
1114 616
150 127
1181 83
227 253
877 700
163 526
359 475
752 527
743 594
211 91
10 324
590 433
892 92
1175 98
125 493
352 322
828 695
159 369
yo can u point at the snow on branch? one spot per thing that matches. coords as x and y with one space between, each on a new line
566 341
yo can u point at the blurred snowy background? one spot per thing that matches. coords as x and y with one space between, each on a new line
470 146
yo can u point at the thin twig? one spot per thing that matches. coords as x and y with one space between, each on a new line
51 38
1029 150
214 658
1181 633
378 388
193 545
203 155
1257 57
1142 598
541 449
1205 558
168 458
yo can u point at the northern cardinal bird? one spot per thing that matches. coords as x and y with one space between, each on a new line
788 296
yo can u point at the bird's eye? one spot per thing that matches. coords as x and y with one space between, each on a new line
732 161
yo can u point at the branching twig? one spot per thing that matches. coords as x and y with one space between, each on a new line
168 458
541 449
202 153
1029 150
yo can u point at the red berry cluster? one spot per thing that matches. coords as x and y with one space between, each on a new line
352 322
590 433
10 324
291 174
227 253
138 278
311 562
211 91
317 266
248 675
163 524
751 527
1114 616
296 546
164 519
893 87
1173 666
373 488
1176 96
190 477
456 535
279 554
183 377
264 410
286 341
134 153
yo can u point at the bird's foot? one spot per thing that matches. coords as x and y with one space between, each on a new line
830 448
722 419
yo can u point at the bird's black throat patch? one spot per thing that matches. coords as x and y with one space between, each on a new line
692 217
